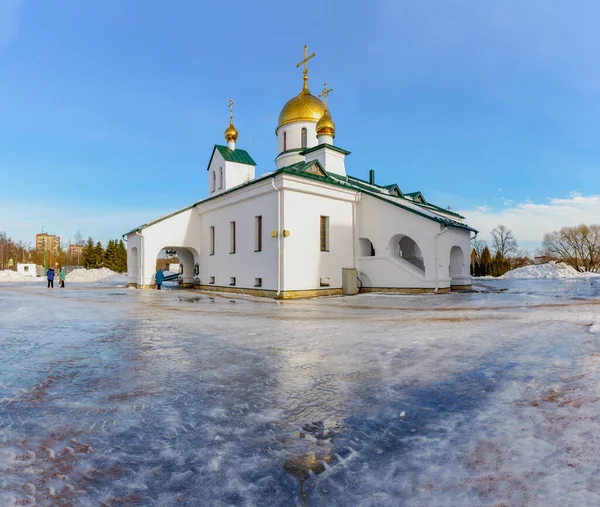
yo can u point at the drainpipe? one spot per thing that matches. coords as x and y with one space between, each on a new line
137 233
354 203
435 270
278 236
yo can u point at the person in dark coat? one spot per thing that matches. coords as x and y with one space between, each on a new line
159 279
51 278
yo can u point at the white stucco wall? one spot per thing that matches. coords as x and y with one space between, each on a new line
303 262
379 222
294 136
331 160
234 174
245 264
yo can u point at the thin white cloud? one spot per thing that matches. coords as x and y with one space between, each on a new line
9 21
529 221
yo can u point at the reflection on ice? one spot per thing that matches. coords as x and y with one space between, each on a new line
116 397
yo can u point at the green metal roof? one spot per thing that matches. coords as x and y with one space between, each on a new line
237 155
325 145
299 169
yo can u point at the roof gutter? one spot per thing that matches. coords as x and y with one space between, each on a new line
435 257
278 236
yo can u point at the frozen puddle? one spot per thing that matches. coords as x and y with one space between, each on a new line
120 397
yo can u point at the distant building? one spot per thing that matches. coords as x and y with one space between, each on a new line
540 259
27 269
45 241
75 250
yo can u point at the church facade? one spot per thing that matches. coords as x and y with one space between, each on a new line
299 230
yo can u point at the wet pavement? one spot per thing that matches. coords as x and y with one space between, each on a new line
110 396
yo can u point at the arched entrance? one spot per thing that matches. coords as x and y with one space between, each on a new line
180 261
457 265
133 266
406 248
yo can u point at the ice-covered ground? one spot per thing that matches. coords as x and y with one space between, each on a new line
111 396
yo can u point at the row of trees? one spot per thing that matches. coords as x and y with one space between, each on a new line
506 255
114 256
94 255
578 246
16 250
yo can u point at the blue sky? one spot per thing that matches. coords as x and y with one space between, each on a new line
109 110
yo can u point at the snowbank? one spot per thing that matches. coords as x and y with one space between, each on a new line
12 276
551 270
95 275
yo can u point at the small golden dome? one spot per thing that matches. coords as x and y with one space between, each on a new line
325 125
231 134
303 107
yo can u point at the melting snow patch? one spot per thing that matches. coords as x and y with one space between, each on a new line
8 275
95 275
552 270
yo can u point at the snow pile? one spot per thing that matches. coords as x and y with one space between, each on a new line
551 270
95 275
12 276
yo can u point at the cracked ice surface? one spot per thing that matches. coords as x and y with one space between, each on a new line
111 396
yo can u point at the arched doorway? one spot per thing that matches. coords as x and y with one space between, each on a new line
406 248
457 263
133 266
179 261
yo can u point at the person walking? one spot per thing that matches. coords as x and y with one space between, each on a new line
50 275
159 279
62 275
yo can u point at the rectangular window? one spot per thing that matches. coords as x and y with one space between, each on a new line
212 280
324 230
212 240
258 242
258 282
232 237
232 280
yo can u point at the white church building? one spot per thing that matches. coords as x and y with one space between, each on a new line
307 228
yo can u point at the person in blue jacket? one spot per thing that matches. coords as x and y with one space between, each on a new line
159 279
50 275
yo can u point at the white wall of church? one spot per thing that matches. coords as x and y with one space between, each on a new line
304 263
383 224
245 265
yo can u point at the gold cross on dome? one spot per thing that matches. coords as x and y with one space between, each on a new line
230 109
304 62
325 93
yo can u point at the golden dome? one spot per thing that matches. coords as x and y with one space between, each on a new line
303 107
325 125
230 133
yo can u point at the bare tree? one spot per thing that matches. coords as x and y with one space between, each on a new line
504 241
578 246
78 240
478 245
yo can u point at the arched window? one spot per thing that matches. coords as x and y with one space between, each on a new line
220 177
303 138
284 141
213 183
